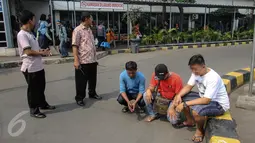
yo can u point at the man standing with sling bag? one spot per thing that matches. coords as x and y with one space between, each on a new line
168 84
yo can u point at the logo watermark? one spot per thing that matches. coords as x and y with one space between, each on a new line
17 120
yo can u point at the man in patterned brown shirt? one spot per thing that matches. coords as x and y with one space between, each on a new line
85 60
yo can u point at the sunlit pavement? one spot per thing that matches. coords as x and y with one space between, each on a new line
103 121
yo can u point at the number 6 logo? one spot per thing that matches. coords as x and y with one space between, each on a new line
14 122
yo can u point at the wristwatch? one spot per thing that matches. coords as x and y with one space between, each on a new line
185 104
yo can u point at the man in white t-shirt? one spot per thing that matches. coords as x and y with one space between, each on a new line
212 99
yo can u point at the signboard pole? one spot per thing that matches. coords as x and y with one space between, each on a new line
128 25
74 13
252 65
170 16
52 25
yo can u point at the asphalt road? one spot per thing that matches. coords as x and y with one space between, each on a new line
102 121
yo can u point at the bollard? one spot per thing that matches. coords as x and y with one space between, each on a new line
135 43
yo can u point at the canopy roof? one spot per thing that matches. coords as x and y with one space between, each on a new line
169 3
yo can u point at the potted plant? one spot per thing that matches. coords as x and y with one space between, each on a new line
171 35
227 36
204 35
215 35
147 39
250 33
158 37
185 36
196 35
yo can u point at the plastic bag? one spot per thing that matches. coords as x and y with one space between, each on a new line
96 41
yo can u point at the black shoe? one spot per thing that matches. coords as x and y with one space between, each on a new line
95 96
80 103
125 109
38 115
35 112
48 107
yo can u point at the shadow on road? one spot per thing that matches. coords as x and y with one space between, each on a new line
63 108
88 103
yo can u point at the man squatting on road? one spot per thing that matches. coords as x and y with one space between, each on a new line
132 87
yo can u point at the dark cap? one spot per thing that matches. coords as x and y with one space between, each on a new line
161 71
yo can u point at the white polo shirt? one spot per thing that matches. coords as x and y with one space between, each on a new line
211 86
30 63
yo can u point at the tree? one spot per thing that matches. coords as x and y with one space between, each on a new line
181 11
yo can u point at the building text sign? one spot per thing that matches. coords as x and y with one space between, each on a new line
104 5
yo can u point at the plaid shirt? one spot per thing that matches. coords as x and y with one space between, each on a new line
83 38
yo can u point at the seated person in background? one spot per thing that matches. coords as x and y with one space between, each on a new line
212 99
170 84
132 87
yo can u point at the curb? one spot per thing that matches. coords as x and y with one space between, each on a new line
223 128
13 64
235 79
152 48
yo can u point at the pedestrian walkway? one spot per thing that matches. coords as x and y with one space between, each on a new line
11 62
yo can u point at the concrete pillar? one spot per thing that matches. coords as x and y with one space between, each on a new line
57 17
7 24
74 14
119 25
170 18
108 20
190 22
193 24
96 18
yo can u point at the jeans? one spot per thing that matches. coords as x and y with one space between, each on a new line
62 47
151 112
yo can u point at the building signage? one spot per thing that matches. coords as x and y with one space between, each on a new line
104 5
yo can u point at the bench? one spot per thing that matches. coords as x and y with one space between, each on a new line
221 129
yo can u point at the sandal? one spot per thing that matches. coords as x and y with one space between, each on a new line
197 139
150 118
182 125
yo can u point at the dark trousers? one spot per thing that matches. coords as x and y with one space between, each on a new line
35 91
87 73
122 101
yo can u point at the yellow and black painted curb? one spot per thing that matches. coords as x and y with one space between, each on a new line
180 46
222 129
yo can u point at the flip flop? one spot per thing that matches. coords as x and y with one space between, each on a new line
182 125
150 118
199 138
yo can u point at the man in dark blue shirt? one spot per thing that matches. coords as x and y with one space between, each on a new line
132 87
